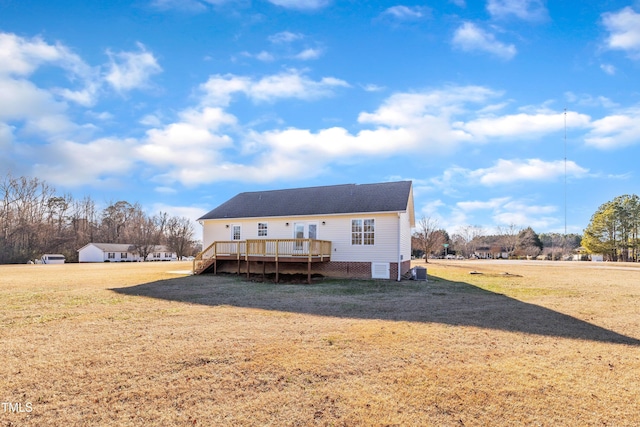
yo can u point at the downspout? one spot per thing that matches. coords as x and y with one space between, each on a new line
399 246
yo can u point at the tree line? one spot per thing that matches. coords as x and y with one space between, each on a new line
506 242
613 230
35 219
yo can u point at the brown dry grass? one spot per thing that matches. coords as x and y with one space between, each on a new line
134 344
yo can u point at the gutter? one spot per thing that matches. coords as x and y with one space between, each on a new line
399 247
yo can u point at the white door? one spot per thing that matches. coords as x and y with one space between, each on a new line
305 230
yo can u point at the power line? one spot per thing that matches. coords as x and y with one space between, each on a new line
565 172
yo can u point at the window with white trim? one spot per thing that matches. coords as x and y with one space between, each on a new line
363 231
111 255
262 229
123 255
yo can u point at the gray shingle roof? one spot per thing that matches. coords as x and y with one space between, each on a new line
333 199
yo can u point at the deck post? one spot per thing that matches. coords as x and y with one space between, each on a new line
309 264
277 267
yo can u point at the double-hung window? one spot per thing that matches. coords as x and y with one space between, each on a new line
363 231
262 229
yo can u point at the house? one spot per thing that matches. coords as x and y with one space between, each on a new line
121 252
490 252
361 231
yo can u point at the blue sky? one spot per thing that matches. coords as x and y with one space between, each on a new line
181 104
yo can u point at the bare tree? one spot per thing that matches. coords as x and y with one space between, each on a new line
466 238
179 235
35 220
509 237
428 235
143 232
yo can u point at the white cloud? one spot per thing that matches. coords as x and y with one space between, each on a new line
403 13
190 142
522 125
624 29
588 100
301 4
508 171
476 205
372 87
288 84
507 211
265 56
527 10
131 70
309 54
21 56
70 163
191 146
608 68
402 109
285 37
524 213
615 131
6 136
41 113
470 38
183 5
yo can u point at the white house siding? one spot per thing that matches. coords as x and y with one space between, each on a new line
336 228
99 252
91 253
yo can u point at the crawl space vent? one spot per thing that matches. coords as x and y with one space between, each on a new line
380 270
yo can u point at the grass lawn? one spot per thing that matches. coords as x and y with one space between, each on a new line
145 344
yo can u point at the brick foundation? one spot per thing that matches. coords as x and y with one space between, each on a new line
339 269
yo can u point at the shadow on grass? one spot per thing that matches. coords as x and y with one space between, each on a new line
439 301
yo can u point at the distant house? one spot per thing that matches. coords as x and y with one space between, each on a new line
490 252
350 230
119 252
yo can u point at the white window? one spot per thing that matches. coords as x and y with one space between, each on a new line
111 255
123 255
235 232
262 229
363 231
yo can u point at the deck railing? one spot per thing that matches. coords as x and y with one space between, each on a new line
311 249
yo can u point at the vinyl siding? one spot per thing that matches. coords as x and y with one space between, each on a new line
337 229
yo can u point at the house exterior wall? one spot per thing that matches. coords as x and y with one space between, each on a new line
90 253
336 228
162 256
392 238
93 253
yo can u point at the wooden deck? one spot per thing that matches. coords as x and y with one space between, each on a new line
307 251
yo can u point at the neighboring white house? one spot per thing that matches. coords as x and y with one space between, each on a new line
368 225
119 252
